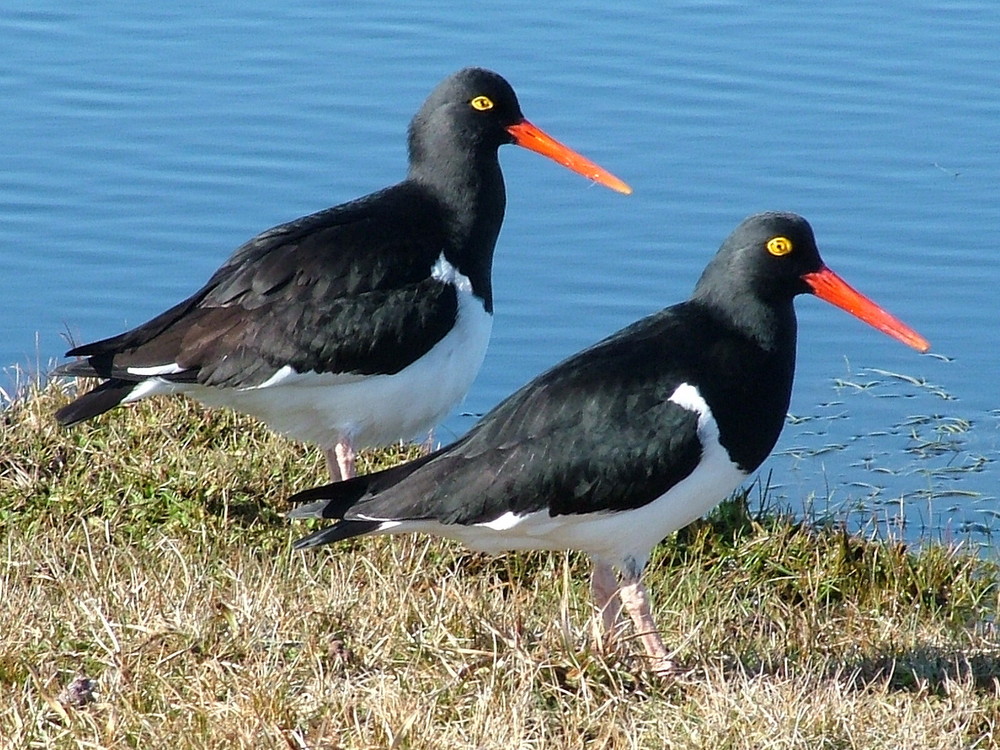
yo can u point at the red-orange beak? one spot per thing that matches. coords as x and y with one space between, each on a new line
537 140
828 286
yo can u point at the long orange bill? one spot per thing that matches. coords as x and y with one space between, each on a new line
537 140
828 286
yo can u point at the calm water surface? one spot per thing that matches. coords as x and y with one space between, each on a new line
141 143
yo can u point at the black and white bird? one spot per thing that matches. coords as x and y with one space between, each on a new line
623 443
359 325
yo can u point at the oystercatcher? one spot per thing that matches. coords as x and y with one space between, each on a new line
359 325
627 441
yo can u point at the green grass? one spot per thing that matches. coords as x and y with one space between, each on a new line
147 552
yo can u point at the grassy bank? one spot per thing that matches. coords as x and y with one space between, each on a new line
150 599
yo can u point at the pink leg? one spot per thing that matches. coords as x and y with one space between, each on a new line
636 602
604 586
340 460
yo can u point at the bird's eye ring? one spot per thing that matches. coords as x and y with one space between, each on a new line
779 246
482 103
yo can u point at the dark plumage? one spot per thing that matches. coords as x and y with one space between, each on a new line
319 326
627 441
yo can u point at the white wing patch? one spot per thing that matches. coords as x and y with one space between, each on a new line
154 382
505 522
151 372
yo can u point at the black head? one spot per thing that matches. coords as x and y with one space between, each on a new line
474 105
768 260
473 112
766 256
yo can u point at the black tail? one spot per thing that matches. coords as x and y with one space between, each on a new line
335 533
104 397
330 500
334 500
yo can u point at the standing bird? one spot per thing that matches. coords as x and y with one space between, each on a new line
359 325
627 441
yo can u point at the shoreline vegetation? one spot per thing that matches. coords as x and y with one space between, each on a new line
151 599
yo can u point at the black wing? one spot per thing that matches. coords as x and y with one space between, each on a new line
325 293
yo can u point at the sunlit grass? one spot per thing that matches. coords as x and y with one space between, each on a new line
151 599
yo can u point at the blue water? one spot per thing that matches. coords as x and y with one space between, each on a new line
140 143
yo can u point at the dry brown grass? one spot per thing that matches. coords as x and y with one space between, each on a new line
146 553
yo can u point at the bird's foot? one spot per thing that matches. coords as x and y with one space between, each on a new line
665 668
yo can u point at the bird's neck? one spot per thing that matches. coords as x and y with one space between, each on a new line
725 294
754 350
470 189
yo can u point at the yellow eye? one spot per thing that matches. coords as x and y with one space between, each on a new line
482 103
779 246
